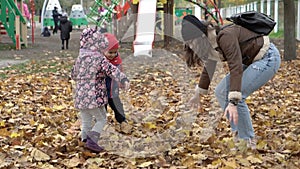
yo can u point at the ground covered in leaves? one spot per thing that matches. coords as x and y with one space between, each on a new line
39 127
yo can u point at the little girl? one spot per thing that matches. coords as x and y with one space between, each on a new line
112 85
89 73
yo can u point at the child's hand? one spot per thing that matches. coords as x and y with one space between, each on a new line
126 85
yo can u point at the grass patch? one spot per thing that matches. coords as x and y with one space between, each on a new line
61 66
7 46
277 35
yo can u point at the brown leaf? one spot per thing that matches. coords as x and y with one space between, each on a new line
39 155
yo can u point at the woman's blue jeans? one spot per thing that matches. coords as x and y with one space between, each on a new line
254 76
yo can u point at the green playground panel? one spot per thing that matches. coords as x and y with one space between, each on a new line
48 22
79 21
94 11
181 12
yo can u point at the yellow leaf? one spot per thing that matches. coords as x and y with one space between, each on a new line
29 77
4 132
168 73
73 162
287 151
150 125
47 109
199 156
40 126
242 146
163 1
13 135
39 155
145 164
218 150
216 162
253 159
189 161
53 96
261 145
2 123
10 104
230 163
272 113
280 157
171 123
32 122
135 1
114 137
148 139
58 107
244 162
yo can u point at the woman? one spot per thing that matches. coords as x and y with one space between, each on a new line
252 62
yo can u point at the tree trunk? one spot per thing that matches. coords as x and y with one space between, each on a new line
289 30
134 9
168 22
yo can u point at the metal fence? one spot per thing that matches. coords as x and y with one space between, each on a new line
273 8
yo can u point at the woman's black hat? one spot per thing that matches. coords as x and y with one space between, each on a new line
192 27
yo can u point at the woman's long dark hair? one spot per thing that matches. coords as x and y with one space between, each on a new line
191 58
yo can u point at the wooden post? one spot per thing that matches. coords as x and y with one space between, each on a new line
22 28
32 20
168 24
172 15
166 27
134 9
17 36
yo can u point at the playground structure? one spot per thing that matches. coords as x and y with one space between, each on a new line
106 16
144 39
77 16
120 15
144 32
46 14
123 14
13 23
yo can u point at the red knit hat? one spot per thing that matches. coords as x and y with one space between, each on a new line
113 43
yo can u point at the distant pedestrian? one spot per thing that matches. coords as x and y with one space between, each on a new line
65 27
46 32
55 16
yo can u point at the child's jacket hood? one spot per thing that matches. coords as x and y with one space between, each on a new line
93 40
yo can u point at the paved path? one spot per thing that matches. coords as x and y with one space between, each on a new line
48 47
42 48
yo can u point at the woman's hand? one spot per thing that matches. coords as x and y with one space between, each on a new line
195 100
233 113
